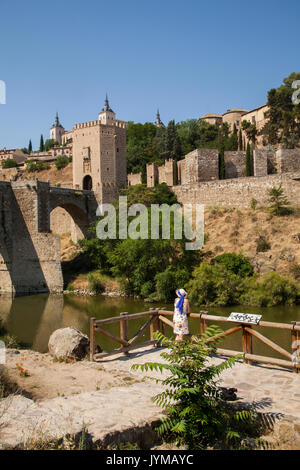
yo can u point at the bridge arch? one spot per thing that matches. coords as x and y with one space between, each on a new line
69 219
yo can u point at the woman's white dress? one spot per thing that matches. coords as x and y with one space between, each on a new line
180 320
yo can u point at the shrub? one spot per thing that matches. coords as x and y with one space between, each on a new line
278 202
253 203
32 166
95 283
262 244
62 161
197 414
9 163
237 264
213 284
272 290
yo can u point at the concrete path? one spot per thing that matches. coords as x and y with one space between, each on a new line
126 412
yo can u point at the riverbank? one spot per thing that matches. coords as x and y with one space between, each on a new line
124 412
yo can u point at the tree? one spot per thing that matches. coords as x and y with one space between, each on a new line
251 131
49 144
42 143
240 140
283 125
30 147
278 202
248 161
221 164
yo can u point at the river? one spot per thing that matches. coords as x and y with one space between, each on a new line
32 319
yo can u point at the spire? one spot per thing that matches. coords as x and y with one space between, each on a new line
106 105
158 121
57 123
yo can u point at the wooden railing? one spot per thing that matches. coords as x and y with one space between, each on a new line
156 321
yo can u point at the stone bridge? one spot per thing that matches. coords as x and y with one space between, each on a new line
29 252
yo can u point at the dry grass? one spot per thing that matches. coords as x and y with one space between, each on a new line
232 230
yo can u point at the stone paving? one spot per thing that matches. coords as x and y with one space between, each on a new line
128 410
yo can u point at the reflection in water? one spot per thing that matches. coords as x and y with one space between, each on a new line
33 319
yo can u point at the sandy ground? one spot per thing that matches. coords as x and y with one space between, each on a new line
49 379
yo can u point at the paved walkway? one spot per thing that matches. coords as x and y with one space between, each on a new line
128 410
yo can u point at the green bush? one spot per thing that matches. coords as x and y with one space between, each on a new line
95 283
197 416
236 264
213 284
169 280
32 166
272 290
62 161
9 163
278 202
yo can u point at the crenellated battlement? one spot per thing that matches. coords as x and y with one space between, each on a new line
116 123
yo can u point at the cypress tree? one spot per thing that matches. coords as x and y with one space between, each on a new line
30 146
240 140
221 164
248 160
42 144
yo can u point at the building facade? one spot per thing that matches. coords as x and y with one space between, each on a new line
99 155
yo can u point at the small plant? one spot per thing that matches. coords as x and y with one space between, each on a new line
262 244
253 203
95 283
22 372
278 202
197 414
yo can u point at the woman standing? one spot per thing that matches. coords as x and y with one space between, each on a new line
181 314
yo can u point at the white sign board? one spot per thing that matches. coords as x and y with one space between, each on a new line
244 318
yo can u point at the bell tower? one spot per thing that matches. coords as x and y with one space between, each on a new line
107 116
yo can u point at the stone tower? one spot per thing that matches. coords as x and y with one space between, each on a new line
158 121
99 155
57 131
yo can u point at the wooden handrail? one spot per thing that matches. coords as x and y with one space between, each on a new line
157 321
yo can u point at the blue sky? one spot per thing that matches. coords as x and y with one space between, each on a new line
185 57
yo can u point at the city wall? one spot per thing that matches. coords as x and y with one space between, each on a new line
238 192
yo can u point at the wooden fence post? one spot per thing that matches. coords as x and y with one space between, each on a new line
124 329
295 346
203 324
152 327
92 338
247 343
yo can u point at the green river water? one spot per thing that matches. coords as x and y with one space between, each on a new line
32 319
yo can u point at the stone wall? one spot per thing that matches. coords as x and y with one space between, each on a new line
152 175
288 160
239 192
166 172
134 178
201 165
235 164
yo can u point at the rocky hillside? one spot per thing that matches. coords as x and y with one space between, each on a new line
251 231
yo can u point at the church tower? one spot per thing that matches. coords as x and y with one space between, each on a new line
57 131
158 121
106 116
